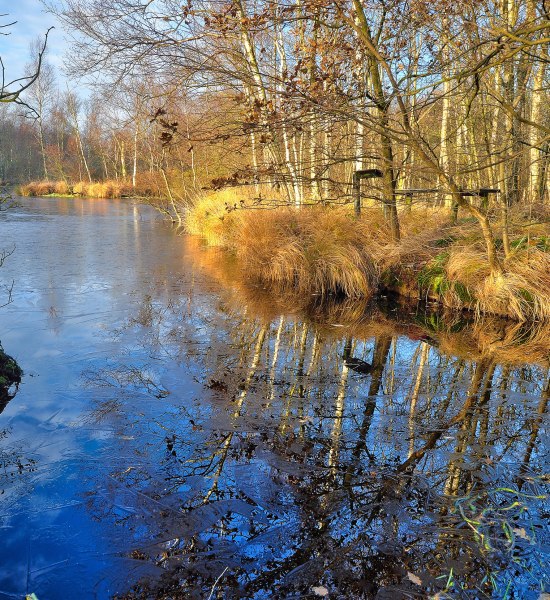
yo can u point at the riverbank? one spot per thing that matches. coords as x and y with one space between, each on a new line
456 333
326 250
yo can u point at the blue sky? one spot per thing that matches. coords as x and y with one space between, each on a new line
32 21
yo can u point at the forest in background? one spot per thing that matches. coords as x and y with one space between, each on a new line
441 104
298 95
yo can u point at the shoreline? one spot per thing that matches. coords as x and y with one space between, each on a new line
327 251
112 189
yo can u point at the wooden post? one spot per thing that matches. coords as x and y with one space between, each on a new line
356 192
484 195
356 185
409 201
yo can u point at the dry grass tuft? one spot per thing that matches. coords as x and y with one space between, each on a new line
454 333
79 189
39 188
210 218
102 189
522 292
62 188
215 215
312 250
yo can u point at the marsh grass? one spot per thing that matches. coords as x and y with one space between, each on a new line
43 188
455 333
322 250
214 216
103 189
314 250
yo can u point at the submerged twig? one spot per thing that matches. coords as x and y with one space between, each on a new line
216 582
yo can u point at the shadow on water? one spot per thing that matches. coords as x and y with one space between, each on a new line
232 444
343 449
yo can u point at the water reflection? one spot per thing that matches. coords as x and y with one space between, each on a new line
182 434
362 453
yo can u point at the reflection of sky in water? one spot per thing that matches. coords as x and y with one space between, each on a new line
76 276
162 425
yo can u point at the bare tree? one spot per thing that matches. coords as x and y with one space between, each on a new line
11 89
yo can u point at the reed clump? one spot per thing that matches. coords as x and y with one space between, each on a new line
321 250
455 333
460 277
43 188
110 188
213 218
314 250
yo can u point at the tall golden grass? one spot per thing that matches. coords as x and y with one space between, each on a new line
314 250
214 216
321 250
45 188
211 218
103 189
462 335
522 292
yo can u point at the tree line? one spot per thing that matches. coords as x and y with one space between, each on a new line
299 95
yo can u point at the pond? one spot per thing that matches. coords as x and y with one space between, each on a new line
180 432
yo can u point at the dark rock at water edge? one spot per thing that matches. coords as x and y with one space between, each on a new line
10 378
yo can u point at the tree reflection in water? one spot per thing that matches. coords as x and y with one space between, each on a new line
346 450
341 446
245 445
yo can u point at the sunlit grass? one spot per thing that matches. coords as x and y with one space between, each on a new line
111 188
326 250
313 250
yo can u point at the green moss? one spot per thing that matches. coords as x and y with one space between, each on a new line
444 242
433 277
463 292
520 243
540 243
543 243
526 295
389 278
434 322
10 371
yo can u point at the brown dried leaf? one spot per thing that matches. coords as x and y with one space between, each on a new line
412 577
521 533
